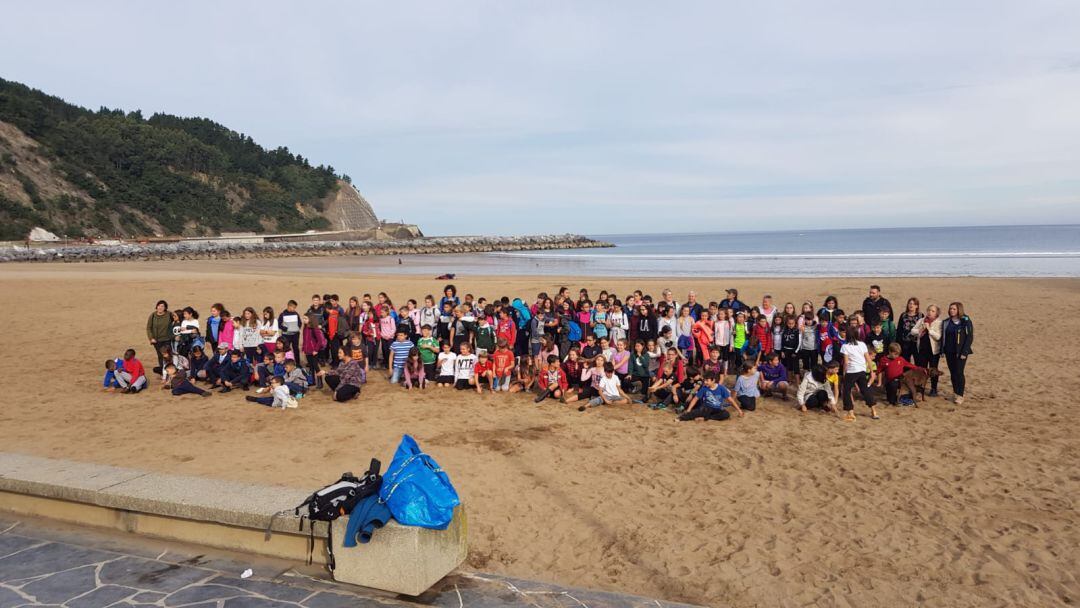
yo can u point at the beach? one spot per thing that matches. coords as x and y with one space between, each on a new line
941 505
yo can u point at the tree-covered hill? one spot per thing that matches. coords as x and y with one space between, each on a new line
79 172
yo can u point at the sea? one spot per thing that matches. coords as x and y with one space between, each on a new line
977 251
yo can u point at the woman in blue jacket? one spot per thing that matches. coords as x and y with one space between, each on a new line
956 338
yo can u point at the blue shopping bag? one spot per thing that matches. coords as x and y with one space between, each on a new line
416 490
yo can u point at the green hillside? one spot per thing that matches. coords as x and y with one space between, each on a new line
110 173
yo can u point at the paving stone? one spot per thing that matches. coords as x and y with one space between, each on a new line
151 575
10 599
277 591
101 597
256 602
10 543
48 558
326 599
62 586
148 597
202 593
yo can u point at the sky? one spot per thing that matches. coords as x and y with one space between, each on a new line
603 117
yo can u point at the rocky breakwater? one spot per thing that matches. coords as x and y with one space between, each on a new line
207 251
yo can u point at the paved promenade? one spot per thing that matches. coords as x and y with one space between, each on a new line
47 564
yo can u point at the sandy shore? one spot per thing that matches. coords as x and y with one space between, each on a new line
943 505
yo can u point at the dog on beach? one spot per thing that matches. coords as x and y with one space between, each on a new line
916 379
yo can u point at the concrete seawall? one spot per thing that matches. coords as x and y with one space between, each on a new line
204 250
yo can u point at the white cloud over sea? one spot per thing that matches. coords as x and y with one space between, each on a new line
602 117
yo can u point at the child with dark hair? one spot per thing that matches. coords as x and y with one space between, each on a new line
747 386
177 381
892 367
295 378
710 401
552 380
415 372
774 377
815 391
112 367
236 373
280 395
130 375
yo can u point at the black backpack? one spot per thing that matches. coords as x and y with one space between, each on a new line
330 503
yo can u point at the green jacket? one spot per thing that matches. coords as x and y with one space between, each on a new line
639 365
159 327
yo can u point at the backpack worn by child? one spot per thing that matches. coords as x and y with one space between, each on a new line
332 502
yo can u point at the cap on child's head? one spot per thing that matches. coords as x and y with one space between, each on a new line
223 346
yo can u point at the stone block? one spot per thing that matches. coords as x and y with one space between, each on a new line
402 559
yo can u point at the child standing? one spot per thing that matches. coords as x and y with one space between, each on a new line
447 360
503 360
399 353
429 352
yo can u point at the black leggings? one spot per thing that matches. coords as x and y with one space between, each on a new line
852 380
956 372
342 392
292 342
892 391
747 402
186 388
819 399
708 413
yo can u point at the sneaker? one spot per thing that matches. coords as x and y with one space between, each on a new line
959 400
207 394
932 393
226 390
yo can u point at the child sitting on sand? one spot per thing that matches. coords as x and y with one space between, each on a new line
295 378
747 386
112 367
774 376
177 380
280 395
130 375
552 380
710 401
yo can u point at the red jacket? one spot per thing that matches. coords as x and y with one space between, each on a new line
764 336
891 369
543 378
135 368
507 329
679 369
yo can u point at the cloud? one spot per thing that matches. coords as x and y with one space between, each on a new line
538 116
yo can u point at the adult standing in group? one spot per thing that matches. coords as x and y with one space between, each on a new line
909 342
732 301
873 305
669 301
159 331
956 338
767 309
693 305
927 335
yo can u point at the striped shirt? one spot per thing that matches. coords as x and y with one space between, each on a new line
401 352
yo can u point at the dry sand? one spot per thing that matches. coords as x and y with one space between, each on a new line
943 505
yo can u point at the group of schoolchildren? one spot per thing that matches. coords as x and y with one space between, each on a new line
607 351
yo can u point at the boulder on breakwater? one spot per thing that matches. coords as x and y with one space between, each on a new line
225 250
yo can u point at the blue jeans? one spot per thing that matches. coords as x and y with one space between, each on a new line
396 374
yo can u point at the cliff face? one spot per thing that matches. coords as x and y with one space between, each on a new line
346 209
115 174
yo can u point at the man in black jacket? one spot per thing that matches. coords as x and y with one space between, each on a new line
873 305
